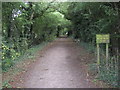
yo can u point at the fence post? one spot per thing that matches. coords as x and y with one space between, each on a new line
107 55
98 54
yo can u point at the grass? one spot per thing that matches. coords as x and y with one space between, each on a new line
30 54
108 74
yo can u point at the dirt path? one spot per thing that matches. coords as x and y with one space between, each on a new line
62 65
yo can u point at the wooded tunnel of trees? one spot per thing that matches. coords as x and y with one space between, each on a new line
25 25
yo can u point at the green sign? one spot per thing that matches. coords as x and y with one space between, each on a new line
102 38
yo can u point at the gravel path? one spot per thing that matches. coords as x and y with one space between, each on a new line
62 65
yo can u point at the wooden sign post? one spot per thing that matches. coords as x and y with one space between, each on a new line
102 38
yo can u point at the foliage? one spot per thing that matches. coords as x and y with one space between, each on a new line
6 85
8 59
107 73
25 25
89 19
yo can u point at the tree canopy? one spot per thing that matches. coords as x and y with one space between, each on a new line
26 24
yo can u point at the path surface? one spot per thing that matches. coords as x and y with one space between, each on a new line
62 65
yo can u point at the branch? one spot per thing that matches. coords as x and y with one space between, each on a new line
43 11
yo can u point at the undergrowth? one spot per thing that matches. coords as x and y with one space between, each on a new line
29 54
107 73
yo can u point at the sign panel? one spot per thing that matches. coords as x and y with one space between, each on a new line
102 38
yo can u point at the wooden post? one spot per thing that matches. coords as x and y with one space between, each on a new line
98 54
107 54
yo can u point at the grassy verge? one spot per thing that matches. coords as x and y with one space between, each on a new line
106 73
19 64
30 53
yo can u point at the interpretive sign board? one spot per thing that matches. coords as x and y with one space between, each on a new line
102 38
105 38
